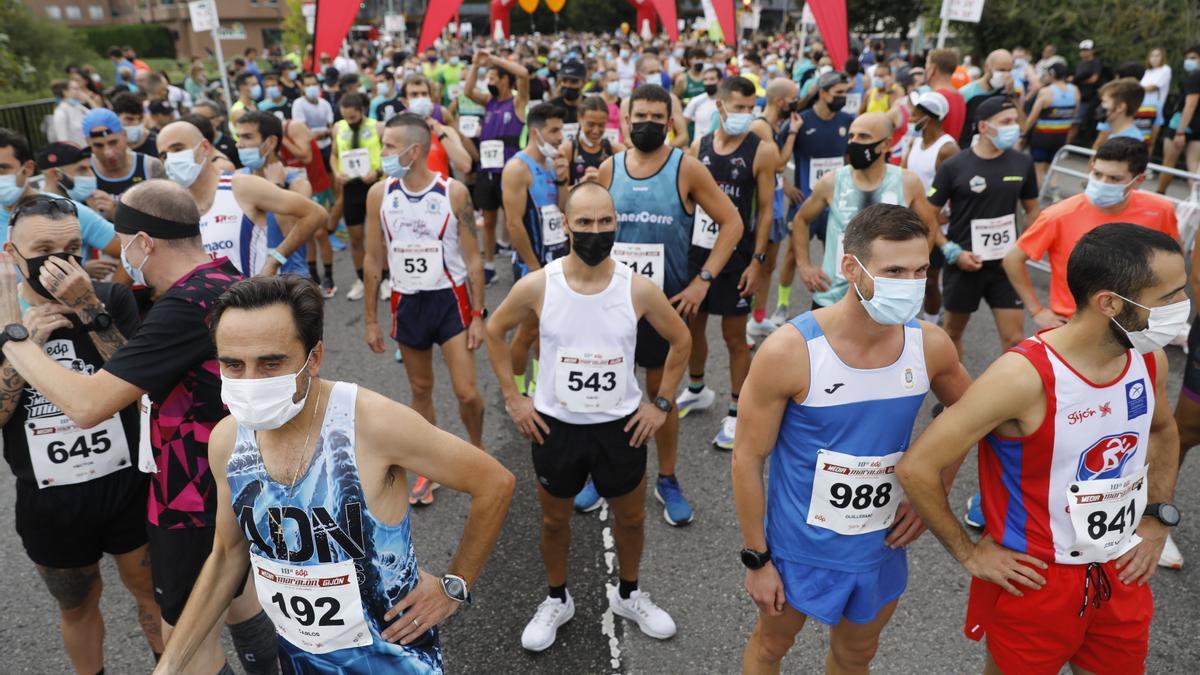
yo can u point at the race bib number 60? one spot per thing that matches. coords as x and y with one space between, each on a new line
854 495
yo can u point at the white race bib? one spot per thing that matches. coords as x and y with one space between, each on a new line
819 166
63 454
469 126
455 90
316 607
356 163
491 154
588 381
853 101
571 131
992 237
854 495
553 233
1105 516
613 135
704 229
145 450
415 265
648 260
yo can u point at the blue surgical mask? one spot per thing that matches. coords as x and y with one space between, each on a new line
454 61
256 92
422 106
312 91
1104 195
393 167
383 88
182 167
1006 136
10 192
251 158
134 134
543 72
924 89
895 302
274 92
83 188
613 88
736 124
135 273
1191 65
291 74
877 82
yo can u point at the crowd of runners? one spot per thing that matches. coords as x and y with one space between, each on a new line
166 264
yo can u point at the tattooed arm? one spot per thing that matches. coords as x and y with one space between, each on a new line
107 341
11 387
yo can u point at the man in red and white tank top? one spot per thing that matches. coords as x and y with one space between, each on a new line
1078 455
422 225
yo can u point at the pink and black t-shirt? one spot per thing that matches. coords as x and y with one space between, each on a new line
172 357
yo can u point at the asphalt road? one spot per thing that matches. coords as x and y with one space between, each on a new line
693 572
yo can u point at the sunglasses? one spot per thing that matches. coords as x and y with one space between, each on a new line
43 205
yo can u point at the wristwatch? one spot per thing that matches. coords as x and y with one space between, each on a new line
705 275
760 257
481 313
13 332
755 559
455 588
1166 513
661 402
101 322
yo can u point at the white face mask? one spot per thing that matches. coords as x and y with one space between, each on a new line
547 149
1164 325
264 403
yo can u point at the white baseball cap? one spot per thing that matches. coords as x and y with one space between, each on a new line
1087 44
934 104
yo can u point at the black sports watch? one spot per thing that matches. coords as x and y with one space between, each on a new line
1166 513
760 257
755 559
13 332
664 404
99 323
705 275
455 588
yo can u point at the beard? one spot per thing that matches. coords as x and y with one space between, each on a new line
1127 317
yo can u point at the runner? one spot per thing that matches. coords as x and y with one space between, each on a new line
983 185
744 167
299 149
807 553
236 206
1049 120
259 141
654 234
995 82
117 167
940 65
169 360
357 522
701 110
819 149
925 156
650 71
592 146
274 100
78 494
570 79
446 148
130 108
1077 476
356 167
1120 101
249 91
869 179
423 226
588 420
505 101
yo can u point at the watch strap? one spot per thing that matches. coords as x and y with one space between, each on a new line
279 257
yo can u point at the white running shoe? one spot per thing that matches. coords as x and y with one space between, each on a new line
689 401
652 619
385 290
779 316
760 328
356 291
724 438
1171 558
542 629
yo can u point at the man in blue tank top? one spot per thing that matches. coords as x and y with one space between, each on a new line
311 483
656 189
533 211
836 522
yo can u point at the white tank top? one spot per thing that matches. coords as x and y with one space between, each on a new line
587 373
923 161
228 232
421 234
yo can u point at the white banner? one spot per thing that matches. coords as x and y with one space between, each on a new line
394 23
962 10
203 14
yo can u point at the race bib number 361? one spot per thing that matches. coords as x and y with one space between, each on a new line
854 495
316 607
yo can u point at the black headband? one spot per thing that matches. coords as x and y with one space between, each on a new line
129 220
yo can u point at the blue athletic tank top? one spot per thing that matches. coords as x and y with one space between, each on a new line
542 192
1050 130
297 533
651 211
831 418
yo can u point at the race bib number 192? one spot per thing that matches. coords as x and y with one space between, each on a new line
316 607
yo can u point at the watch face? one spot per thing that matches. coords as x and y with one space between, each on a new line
16 331
455 588
750 559
1168 514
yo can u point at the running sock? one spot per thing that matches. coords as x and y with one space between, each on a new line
329 272
669 479
760 314
785 296
520 380
359 273
489 266
733 405
226 670
695 383
559 592
256 644
626 588
312 272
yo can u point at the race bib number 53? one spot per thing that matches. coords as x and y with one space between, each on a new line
854 495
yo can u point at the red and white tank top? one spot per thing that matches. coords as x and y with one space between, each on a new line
1070 490
420 231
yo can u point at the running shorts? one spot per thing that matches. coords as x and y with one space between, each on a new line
176 557
652 348
354 198
423 319
487 191
1041 631
75 525
829 595
573 452
962 291
723 297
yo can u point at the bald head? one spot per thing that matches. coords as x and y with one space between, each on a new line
163 199
781 89
871 127
1001 59
590 208
649 65
178 136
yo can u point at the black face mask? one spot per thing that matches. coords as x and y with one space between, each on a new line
793 107
862 155
35 270
494 91
837 103
570 93
710 89
648 136
593 247
698 67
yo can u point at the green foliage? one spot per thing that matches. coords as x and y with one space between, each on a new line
1124 30
892 17
146 39
34 51
295 28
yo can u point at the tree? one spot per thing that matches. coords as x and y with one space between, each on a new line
34 51
295 27
892 17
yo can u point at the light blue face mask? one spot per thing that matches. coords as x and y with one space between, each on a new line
393 167
736 124
135 273
134 134
613 88
1104 195
421 106
83 188
10 192
274 92
895 302
1191 65
312 91
1006 136
251 158
256 92
877 82
182 167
